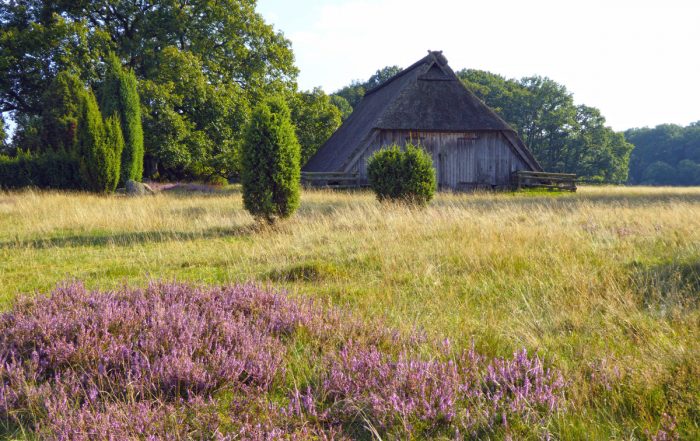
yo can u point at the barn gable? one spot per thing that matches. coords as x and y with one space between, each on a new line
425 97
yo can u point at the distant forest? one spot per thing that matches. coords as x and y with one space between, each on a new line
665 155
196 87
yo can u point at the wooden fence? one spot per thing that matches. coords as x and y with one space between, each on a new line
519 180
552 181
331 179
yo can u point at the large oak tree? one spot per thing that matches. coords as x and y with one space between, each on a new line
200 64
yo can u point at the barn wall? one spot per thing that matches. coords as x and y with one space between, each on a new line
463 160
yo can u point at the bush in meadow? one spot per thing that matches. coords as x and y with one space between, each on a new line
179 362
270 158
99 146
404 175
119 96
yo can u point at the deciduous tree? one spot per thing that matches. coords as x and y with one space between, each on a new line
667 154
199 64
563 137
315 118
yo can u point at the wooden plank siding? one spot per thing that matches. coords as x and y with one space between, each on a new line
463 161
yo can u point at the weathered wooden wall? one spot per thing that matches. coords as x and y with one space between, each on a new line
463 160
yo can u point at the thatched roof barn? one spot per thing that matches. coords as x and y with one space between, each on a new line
471 146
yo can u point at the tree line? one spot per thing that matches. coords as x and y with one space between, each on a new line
563 137
198 68
667 154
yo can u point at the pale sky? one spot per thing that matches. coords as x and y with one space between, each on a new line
638 61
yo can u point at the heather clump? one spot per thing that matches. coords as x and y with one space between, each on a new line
174 361
408 393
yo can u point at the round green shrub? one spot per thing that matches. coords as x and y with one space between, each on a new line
270 157
403 175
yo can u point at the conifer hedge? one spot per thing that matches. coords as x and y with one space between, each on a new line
59 169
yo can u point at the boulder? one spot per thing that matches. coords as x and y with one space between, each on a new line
134 188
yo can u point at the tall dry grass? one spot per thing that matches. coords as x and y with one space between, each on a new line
604 283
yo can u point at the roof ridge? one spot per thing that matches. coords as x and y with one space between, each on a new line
433 56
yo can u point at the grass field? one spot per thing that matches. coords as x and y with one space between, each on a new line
603 284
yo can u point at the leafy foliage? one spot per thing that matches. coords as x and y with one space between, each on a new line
665 155
354 92
59 118
36 43
315 118
192 127
3 134
73 146
199 66
562 136
343 106
120 98
404 175
270 162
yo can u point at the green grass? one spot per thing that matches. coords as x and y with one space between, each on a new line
603 283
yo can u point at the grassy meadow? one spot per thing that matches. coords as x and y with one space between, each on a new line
604 284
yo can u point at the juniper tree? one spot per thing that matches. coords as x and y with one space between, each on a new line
99 146
119 96
59 117
404 175
270 162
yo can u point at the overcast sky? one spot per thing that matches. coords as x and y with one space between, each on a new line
638 61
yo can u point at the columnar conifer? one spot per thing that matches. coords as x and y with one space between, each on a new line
119 96
99 146
270 160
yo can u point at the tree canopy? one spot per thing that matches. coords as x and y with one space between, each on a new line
315 117
198 67
354 92
199 64
564 137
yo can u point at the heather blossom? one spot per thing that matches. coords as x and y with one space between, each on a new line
175 361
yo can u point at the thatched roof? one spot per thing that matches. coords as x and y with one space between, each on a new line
425 96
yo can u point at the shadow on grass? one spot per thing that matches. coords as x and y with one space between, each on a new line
309 271
11 431
567 200
127 239
199 190
668 284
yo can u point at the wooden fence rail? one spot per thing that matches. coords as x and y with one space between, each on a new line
519 180
331 179
553 181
